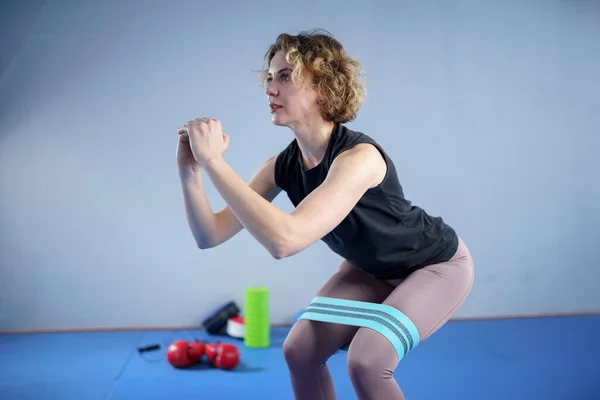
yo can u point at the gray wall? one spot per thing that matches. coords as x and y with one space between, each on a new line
491 111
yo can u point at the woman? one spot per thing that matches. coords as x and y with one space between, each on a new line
404 272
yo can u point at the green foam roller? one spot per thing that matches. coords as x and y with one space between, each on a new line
256 317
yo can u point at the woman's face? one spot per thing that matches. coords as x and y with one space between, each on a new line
291 103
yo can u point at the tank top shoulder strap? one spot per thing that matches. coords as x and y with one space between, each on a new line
344 139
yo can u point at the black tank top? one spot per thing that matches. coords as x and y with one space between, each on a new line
384 235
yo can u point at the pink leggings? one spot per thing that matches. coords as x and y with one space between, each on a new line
428 297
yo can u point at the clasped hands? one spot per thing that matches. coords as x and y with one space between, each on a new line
206 138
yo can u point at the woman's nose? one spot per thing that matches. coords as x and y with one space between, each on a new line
271 91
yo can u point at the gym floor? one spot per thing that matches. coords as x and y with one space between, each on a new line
537 358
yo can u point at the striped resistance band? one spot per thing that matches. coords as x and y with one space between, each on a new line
386 320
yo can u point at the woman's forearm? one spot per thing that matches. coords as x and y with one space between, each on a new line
265 222
198 212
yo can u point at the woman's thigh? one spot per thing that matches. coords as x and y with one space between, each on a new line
430 296
322 338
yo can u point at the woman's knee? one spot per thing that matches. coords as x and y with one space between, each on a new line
293 349
366 368
371 357
300 348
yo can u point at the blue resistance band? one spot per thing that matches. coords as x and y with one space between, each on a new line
386 320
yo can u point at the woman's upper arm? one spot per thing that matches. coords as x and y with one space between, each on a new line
352 173
263 183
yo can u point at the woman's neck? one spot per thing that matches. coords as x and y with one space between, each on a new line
313 139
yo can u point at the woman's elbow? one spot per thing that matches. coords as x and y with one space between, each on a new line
278 254
205 244
281 253
286 249
287 242
278 250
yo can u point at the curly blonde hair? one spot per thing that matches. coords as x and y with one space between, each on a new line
335 75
